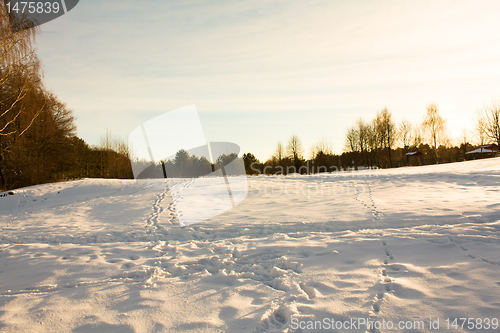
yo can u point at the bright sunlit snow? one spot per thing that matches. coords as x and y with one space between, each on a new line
404 244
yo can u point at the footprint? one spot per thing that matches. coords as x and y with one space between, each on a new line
114 261
397 267
228 312
310 291
276 320
127 265
323 288
488 261
258 297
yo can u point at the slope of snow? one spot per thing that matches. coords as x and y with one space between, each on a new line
405 244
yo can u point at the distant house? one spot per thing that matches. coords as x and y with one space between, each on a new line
483 151
411 154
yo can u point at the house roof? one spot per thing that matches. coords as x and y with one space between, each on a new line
480 151
489 146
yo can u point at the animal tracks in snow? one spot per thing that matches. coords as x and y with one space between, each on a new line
363 194
456 240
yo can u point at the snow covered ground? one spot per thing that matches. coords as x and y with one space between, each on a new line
404 246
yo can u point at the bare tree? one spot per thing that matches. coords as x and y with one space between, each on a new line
481 130
405 133
435 126
490 122
19 73
279 153
15 46
351 140
358 138
295 151
418 139
62 115
363 131
107 141
464 136
115 157
464 140
386 131
373 143
321 146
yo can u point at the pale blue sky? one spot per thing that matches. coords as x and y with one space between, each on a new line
260 71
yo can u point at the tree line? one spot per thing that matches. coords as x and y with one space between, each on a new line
374 142
382 143
183 165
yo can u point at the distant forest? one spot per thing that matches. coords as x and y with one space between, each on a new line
38 142
184 165
382 143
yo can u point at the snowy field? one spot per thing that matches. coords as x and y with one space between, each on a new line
403 246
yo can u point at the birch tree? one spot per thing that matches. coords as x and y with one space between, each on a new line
435 126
